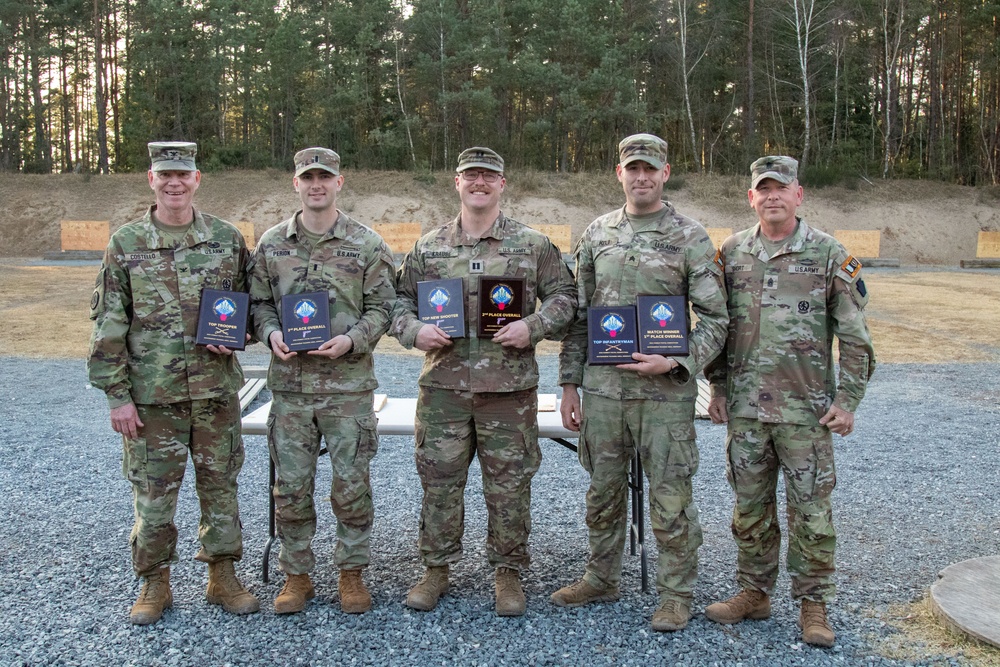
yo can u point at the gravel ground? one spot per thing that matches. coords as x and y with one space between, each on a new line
918 490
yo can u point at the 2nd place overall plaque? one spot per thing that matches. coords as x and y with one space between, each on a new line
305 320
442 303
501 301
222 318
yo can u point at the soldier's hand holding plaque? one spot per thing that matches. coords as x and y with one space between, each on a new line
305 320
663 325
442 303
501 301
222 318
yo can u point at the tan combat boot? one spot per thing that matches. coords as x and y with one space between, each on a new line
672 615
225 589
581 593
431 588
815 629
153 599
354 597
748 603
298 589
510 597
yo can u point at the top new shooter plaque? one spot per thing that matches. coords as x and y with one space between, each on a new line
442 303
663 325
501 301
305 320
611 335
222 318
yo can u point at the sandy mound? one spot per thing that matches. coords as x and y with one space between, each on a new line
921 222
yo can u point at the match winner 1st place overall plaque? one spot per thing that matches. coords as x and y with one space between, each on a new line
222 318
305 320
611 335
663 325
442 303
501 301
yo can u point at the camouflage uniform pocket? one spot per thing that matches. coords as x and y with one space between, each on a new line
367 438
134 461
682 459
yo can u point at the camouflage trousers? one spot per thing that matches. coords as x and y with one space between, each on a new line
155 461
502 430
662 433
756 451
346 422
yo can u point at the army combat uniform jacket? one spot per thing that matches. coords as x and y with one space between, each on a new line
145 307
507 249
785 310
615 264
359 308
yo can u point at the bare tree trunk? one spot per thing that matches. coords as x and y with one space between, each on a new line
892 33
102 103
749 125
399 94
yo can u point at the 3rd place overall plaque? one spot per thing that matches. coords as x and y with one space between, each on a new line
222 318
442 302
305 320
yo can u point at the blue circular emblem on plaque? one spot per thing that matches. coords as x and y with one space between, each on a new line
612 324
224 308
439 298
305 309
501 296
662 313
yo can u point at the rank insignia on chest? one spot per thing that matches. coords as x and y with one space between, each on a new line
770 283
476 266
803 307
227 283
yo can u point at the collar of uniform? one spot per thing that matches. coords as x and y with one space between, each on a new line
667 211
795 243
497 231
338 231
197 233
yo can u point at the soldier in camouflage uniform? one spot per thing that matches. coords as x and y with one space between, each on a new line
478 395
646 407
791 289
168 396
324 393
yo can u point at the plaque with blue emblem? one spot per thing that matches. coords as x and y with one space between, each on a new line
222 318
442 303
501 301
612 335
305 320
663 325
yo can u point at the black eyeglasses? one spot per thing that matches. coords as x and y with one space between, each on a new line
488 176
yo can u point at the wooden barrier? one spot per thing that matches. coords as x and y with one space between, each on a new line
399 236
719 234
988 245
246 229
560 235
84 234
864 243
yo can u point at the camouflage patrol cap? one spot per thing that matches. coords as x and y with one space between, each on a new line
646 147
477 156
172 155
779 167
317 158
